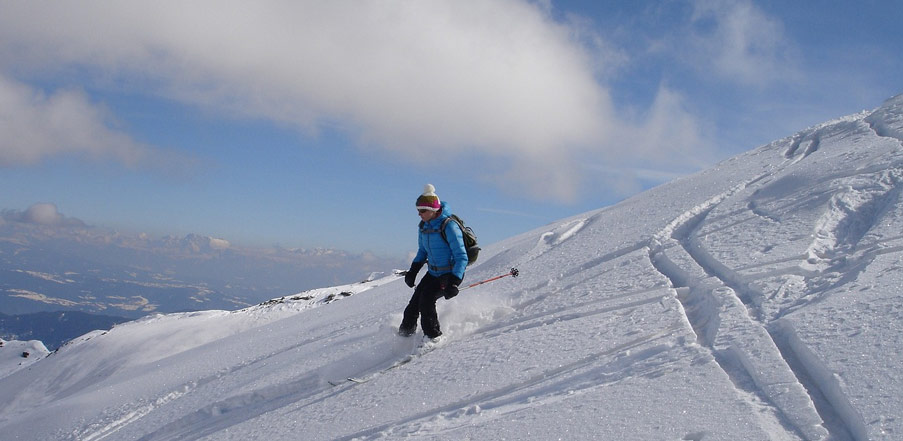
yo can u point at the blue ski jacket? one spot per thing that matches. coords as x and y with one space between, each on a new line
442 257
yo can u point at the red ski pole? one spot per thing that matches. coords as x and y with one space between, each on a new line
512 273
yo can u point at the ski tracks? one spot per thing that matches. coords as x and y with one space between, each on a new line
722 310
202 418
637 357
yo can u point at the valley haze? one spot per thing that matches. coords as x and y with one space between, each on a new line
54 264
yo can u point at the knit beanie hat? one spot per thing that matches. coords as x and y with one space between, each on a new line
428 200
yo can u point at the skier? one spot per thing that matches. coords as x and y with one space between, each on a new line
446 258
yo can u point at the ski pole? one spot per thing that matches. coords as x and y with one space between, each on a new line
512 273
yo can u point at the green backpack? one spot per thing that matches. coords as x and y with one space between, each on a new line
470 238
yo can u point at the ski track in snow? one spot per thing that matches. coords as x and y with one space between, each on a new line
727 325
310 387
118 418
722 307
567 380
219 415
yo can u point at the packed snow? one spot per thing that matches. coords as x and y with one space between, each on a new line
758 300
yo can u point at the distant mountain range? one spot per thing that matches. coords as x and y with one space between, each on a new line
69 266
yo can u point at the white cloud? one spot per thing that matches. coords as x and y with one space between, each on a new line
669 134
42 214
35 125
740 42
219 244
652 147
499 78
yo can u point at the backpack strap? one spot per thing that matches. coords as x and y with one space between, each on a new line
441 229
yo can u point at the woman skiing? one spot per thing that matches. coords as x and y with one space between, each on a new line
446 259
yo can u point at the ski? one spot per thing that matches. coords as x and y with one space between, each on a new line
349 379
421 350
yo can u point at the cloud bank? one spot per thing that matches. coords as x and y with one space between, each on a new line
41 214
35 126
497 78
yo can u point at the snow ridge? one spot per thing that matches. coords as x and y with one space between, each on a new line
887 121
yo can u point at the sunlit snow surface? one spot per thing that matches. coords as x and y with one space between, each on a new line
758 300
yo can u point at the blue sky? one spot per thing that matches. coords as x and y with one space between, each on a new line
316 124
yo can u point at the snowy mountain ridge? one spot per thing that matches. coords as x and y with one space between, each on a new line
756 300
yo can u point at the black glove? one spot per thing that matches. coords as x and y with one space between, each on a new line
448 283
411 276
451 291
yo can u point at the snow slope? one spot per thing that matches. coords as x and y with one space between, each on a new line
16 355
758 300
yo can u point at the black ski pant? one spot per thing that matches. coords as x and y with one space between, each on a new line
423 303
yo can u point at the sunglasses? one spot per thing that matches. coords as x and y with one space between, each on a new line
421 211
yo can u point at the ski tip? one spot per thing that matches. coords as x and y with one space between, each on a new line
347 380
